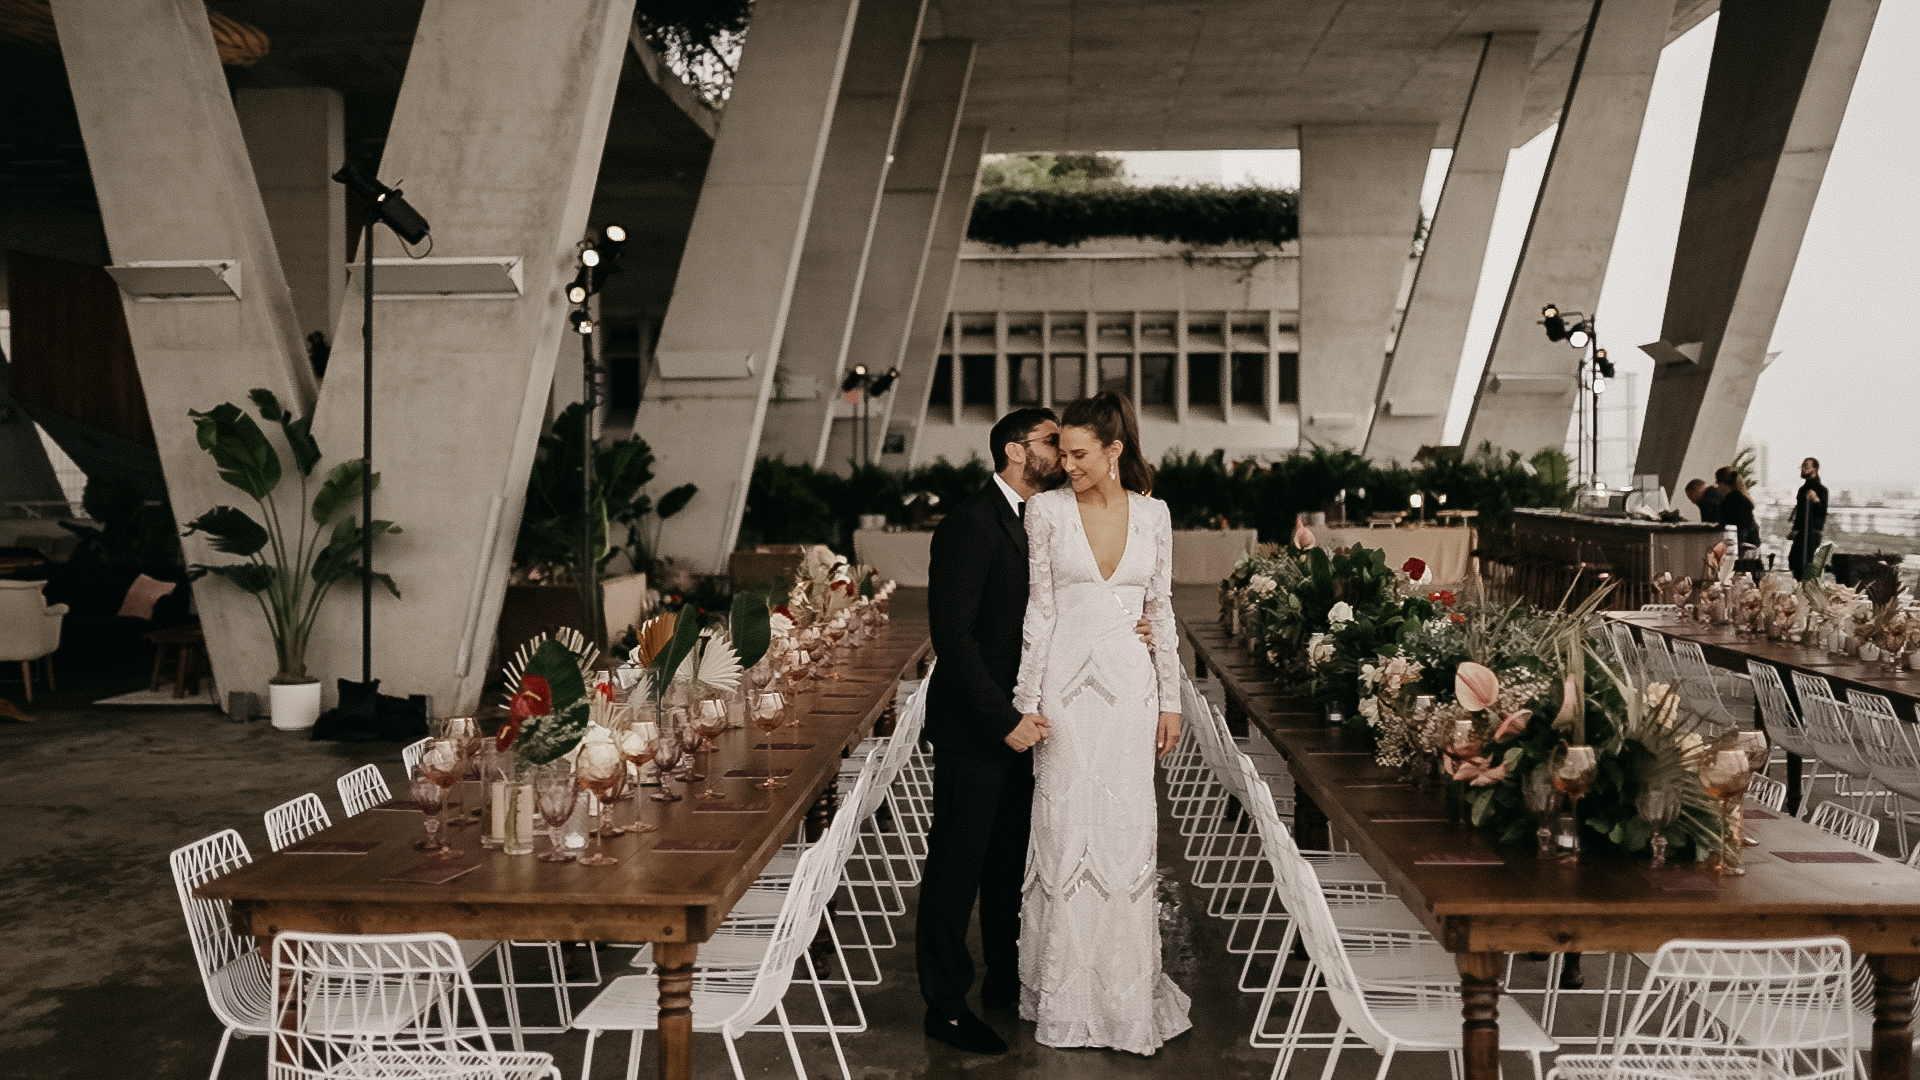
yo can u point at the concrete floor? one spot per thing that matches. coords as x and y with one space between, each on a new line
97 976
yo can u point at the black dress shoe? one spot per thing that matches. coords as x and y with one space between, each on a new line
966 1033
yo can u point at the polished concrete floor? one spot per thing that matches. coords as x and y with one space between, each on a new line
97 977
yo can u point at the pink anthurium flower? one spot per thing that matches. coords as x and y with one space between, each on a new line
1512 724
1475 686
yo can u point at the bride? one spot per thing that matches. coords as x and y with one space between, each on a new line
1098 707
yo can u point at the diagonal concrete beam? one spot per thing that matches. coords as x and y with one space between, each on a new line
174 182
1777 90
705 404
1412 410
935 299
1359 206
833 263
904 235
1529 389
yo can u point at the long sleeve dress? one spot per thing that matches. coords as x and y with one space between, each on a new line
1089 941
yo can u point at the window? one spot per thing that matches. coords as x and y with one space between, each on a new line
1069 373
1203 379
1290 378
940 401
1250 379
1023 380
1113 374
1156 379
976 382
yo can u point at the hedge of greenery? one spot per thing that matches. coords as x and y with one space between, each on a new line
1206 216
798 504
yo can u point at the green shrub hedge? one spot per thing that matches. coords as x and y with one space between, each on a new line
1205 216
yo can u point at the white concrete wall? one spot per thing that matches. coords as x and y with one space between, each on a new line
296 138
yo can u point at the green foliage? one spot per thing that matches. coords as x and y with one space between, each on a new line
1205 216
553 525
125 529
290 567
696 37
1050 172
546 738
1743 463
686 634
798 504
751 626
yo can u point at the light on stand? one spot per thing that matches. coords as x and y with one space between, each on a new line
590 257
582 322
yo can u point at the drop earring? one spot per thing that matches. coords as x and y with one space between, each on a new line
1113 469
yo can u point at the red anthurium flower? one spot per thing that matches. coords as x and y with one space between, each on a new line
783 610
1415 568
534 699
1457 617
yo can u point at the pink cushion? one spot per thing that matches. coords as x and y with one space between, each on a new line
143 594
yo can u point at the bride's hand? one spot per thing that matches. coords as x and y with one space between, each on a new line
1031 731
1168 735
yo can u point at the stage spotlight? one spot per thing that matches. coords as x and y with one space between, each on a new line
1580 335
883 382
1599 384
854 379
1601 364
1416 500
590 257
582 322
581 288
386 202
616 234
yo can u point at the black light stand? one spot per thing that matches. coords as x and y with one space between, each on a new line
861 388
1578 331
599 258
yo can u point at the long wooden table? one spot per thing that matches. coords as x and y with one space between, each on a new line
673 900
1608 903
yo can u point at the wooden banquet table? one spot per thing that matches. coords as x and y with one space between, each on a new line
1609 903
674 900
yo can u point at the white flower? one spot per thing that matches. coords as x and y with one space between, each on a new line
1370 709
1261 585
780 625
1341 614
1369 675
1319 650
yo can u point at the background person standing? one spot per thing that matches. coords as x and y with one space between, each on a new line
1809 517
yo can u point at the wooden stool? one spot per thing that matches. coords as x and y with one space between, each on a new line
189 647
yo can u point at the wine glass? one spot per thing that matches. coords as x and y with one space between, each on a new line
1574 769
1659 806
666 751
765 708
555 793
1753 743
599 768
427 795
1725 775
1542 799
445 763
633 737
709 718
463 731
682 766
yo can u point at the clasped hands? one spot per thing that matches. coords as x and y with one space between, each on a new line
1034 728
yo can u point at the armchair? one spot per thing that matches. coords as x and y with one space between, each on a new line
29 629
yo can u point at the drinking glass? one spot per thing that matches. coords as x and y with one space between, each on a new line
489 765
709 718
1726 775
555 793
463 731
599 768
1574 768
1542 799
766 708
666 751
427 795
633 737
682 766
1659 806
1463 745
444 763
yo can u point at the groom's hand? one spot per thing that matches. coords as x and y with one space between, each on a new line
1145 630
1031 731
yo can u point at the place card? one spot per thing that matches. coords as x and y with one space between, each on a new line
400 804
1460 858
1824 856
310 846
754 774
1398 817
697 847
433 873
729 807
1680 879
785 746
1339 753
1374 784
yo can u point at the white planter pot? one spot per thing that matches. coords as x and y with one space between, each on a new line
295 706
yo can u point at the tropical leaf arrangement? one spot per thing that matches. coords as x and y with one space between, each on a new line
291 560
547 710
673 648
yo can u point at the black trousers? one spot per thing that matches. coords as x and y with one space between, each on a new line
1801 551
977 847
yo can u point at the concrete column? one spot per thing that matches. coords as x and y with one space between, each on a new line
908 402
296 138
1412 410
833 262
498 133
1777 90
174 183
1359 206
1529 389
903 236
714 365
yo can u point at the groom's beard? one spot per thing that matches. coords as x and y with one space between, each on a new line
1040 478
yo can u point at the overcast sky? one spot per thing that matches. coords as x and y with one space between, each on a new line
1846 384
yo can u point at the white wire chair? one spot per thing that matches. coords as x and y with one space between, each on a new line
383 1006
362 789
236 977
1783 724
1829 724
1663 609
1767 792
1627 651
1860 830
1892 752
295 820
1726 1010
1656 659
1701 690
410 755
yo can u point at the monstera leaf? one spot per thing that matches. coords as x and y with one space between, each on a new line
546 738
751 625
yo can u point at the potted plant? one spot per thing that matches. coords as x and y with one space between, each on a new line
293 560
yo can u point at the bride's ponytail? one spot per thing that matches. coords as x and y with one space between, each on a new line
1109 415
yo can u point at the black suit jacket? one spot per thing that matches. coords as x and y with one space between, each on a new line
976 604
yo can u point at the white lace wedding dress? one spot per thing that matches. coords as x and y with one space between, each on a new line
1089 941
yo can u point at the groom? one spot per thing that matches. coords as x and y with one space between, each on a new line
982 774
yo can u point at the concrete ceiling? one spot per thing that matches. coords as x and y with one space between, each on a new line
1244 74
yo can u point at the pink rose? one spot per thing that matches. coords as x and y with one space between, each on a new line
1475 686
1513 724
1302 536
